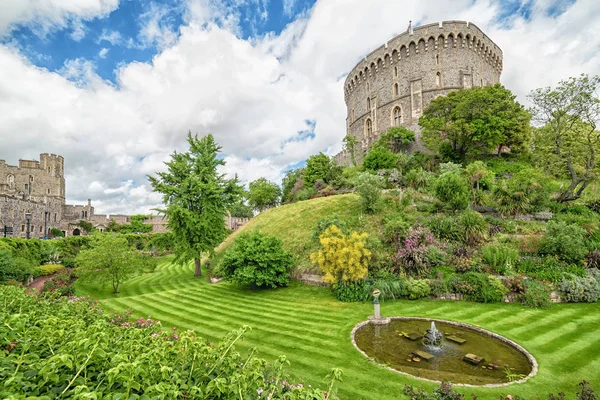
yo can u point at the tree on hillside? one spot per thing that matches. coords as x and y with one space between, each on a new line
292 178
318 166
241 210
350 142
196 197
569 116
263 194
380 157
110 260
136 225
475 120
397 138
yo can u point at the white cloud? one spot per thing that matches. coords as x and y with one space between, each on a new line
43 16
103 52
288 7
157 27
254 96
78 30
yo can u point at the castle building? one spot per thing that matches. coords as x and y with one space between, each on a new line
394 83
36 189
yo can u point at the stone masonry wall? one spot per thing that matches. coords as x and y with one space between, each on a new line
394 83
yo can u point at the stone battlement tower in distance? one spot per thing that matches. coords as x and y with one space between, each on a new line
394 83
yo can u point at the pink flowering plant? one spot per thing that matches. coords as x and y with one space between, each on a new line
415 254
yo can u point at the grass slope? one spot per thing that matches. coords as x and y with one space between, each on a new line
313 330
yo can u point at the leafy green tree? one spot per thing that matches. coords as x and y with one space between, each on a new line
86 226
110 260
196 197
55 232
258 260
368 187
291 179
380 157
263 194
480 178
452 191
318 166
478 119
136 225
569 115
350 143
397 138
241 210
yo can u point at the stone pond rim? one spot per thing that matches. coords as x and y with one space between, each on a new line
532 361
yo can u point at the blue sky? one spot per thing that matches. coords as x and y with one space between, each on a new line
115 39
115 85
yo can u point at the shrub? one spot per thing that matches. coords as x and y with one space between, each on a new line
369 188
592 260
479 287
576 289
49 269
324 223
526 191
394 229
135 354
567 242
351 291
305 193
379 157
412 256
445 228
417 288
537 295
501 258
418 178
438 287
452 191
318 166
594 205
9 269
257 260
342 258
391 288
473 227
60 283
530 244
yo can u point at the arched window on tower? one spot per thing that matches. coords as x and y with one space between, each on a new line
438 79
397 113
396 71
11 181
368 128
437 59
368 104
396 89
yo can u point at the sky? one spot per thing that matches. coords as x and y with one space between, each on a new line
114 86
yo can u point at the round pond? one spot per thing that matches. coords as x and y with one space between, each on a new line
467 355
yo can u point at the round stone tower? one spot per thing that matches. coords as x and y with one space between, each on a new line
393 84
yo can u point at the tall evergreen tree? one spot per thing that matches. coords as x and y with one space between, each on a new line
196 199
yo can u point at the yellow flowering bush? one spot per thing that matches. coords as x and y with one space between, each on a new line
342 257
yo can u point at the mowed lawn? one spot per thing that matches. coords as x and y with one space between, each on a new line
312 328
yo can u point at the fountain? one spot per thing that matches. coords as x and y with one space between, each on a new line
432 337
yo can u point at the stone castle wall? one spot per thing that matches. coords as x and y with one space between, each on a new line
393 84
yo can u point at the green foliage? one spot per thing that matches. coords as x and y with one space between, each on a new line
196 197
548 269
55 232
418 178
537 295
369 188
473 227
395 227
49 269
567 242
379 157
241 210
60 283
445 228
397 138
110 260
576 289
136 225
450 167
54 348
305 193
292 178
350 142
86 226
443 392
257 260
479 287
417 288
477 120
452 191
263 194
9 270
569 137
501 258
317 167
480 178
324 223
390 288
525 191
594 205
351 291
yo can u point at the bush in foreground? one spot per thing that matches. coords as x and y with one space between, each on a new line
58 348
257 260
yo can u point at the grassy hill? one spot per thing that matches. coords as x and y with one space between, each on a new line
293 223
